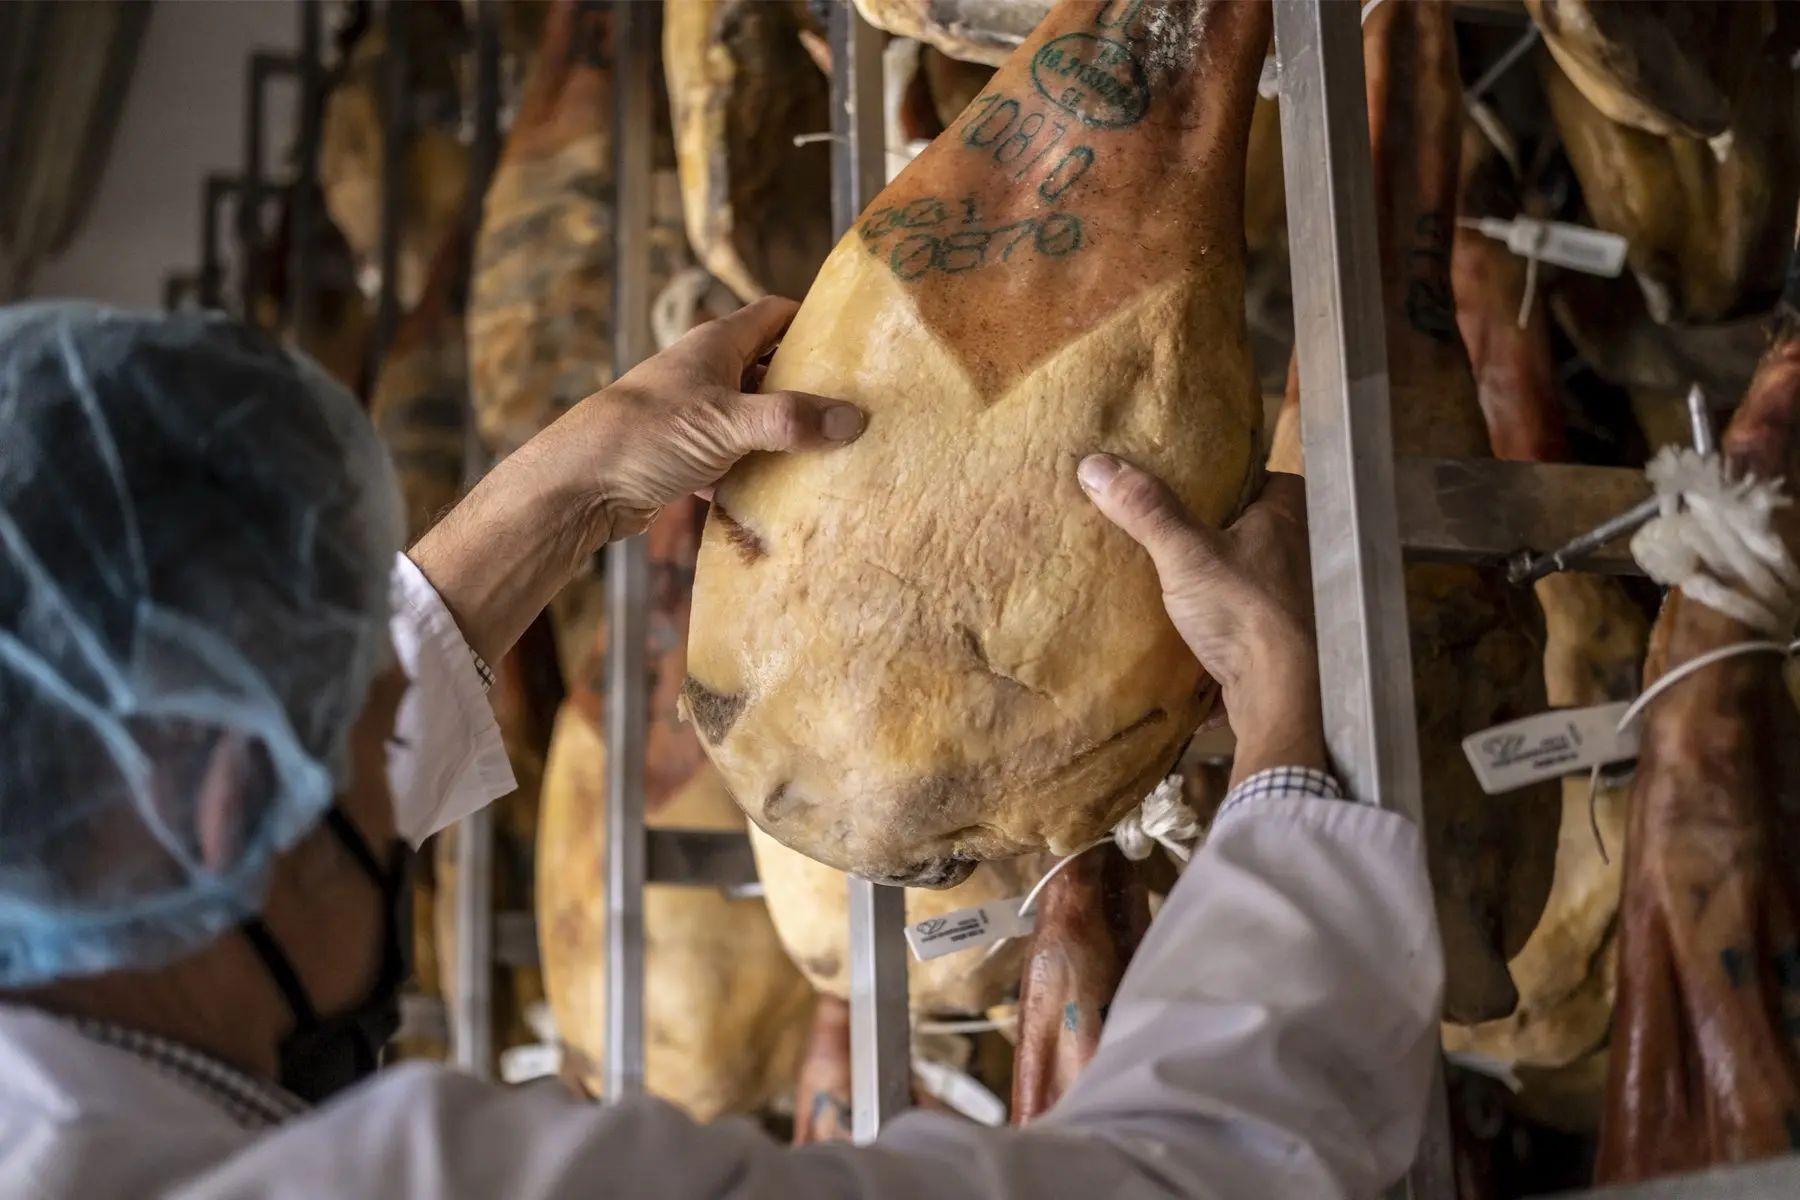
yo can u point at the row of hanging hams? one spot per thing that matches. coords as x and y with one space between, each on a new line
926 659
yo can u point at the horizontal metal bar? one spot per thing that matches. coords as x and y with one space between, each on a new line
1771 1179
1484 510
698 858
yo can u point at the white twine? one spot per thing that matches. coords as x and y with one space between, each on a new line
967 1026
1715 541
1162 819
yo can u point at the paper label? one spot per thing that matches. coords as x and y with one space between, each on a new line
522 1064
968 928
1549 745
960 1091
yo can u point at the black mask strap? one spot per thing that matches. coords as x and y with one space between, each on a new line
281 969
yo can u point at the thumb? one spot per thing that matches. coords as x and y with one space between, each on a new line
793 421
1144 507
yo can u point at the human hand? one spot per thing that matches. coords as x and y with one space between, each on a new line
1240 597
678 421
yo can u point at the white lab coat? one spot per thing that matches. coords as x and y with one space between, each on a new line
1272 1040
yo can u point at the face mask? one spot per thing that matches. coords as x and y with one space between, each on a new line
324 1055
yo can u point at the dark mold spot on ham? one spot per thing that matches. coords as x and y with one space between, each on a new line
712 713
824 965
749 547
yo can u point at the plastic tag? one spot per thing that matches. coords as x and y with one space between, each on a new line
522 1064
541 1021
1575 247
960 1091
1549 745
968 928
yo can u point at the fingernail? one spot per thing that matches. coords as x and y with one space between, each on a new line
1096 471
841 422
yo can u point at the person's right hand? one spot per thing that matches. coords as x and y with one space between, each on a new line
1240 597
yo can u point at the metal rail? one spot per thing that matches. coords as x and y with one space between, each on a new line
636 47
880 1033
478 940
303 208
396 132
1365 658
265 67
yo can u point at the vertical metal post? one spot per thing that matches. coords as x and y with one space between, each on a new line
1365 659
302 274
472 1014
472 1035
880 1033
484 151
395 134
249 205
636 38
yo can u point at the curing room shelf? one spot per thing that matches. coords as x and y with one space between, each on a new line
1484 510
699 858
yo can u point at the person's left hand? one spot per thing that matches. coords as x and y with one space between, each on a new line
674 424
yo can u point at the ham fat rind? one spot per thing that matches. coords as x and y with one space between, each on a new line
929 649
1704 1067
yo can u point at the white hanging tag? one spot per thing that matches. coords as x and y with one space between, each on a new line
960 1091
968 928
1549 745
1573 247
1269 86
522 1064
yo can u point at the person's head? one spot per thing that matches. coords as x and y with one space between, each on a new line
197 531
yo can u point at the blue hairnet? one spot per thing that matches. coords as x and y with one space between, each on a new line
197 531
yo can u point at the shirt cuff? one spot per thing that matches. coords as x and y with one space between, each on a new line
447 759
1282 783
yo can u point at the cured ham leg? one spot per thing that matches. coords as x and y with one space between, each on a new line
1594 647
822 1095
1475 663
1704 1068
928 650
730 1016
1091 917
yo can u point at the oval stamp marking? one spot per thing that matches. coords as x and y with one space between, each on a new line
1094 78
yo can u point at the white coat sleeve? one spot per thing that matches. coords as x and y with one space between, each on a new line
1274 1037
446 759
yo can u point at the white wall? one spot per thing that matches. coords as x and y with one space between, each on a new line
183 118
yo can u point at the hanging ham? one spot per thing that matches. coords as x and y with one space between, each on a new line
1704 1066
929 650
1555 1042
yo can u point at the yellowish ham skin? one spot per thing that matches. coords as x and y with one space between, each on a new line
929 650
810 904
1706 239
742 87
